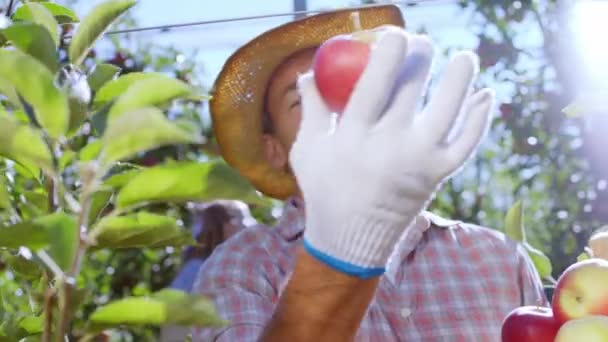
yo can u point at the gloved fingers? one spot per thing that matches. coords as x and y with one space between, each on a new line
372 91
475 126
447 101
316 118
411 82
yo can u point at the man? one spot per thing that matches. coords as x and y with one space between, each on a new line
367 263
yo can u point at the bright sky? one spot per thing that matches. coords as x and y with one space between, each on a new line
444 21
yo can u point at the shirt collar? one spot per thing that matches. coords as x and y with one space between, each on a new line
291 223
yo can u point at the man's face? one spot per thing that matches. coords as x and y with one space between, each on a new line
283 106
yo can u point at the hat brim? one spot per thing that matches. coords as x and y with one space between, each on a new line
237 102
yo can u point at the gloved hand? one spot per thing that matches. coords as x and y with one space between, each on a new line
365 178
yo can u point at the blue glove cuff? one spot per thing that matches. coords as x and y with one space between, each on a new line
343 266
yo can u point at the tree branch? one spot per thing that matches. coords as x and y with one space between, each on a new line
53 194
49 293
9 9
69 282
50 263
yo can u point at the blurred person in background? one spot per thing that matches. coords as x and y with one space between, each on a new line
598 242
212 224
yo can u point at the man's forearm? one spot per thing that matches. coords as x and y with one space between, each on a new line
319 304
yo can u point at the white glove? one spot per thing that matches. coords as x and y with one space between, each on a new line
365 179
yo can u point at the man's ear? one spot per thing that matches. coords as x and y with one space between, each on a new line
274 152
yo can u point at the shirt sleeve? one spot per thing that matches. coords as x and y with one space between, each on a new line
532 289
235 278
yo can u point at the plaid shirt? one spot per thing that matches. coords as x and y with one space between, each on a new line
451 282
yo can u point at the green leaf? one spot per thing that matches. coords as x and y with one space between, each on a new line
39 14
186 181
23 144
32 324
21 116
34 234
66 159
39 199
8 330
514 223
117 87
200 311
141 130
91 150
28 170
131 311
94 25
100 117
36 85
34 40
99 201
541 262
5 22
583 256
10 92
101 74
63 239
78 297
62 14
8 307
149 92
140 230
5 198
120 179
25 268
169 307
169 295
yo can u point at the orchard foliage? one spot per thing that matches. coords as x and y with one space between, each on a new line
533 173
75 196
536 156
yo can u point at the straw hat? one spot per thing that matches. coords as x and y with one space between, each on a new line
237 102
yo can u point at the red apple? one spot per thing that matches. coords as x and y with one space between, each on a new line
339 62
337 65
582 290
529 324
586 329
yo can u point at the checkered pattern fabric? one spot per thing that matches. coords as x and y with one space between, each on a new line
454 282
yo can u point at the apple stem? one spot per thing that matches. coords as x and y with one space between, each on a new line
356 21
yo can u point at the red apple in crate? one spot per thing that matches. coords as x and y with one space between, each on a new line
582 290
586 329
529 324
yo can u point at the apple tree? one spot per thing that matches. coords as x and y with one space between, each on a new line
74 192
